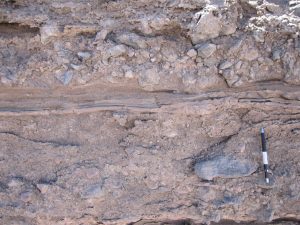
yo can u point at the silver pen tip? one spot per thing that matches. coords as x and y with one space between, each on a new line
267 180
262 130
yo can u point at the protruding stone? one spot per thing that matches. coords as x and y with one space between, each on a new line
224 167
65 78
93 191
192 53
131 39
188 4
207 27
206 193
276 55
209 81
149 78
117 51
8 75
160 22
273 8
169 54
101 35
189 78
295 7
292 76
43 188
84 55
206 50
209 23
129 74
28 196
76 67
231 77
217 2
225 65
259 36
250 54
67 7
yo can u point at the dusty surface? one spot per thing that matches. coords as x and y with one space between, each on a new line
148 112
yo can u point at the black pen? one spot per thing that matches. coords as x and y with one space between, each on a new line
265 155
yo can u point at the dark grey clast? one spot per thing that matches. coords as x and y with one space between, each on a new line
225 167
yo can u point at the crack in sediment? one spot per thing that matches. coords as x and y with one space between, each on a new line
53 143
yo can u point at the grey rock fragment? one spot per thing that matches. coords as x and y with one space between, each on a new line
8 75
149 78
27 196
117 51
224 167
295 7
236 46
158 23
206 50
207 27
211 22
207 81
231 77
291 64
189 78
227 200
67 7
276 55
292 76
129 74
101 35
188 4
225 65
93 191
206 193
84 55
192 53
276 9
76 67
65 78
259 36
131 39
249 54
217 2
265 214
169 54
43 188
